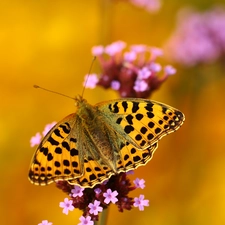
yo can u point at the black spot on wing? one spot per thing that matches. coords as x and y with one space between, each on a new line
66 145
73 140
149 106
151 124
157 130
128 129
136 158
49 157
67 171
135 107
115 108
57 164
75 164
150 115
164 109
66 162
139 116
73 152
143 130
57 133
92 177
118 121
58 150
52 141
129 119
65 127
125 106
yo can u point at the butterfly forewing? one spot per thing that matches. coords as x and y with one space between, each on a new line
96 142
142 122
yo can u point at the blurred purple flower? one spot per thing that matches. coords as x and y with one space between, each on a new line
114 48
97 50
140 86
133 73
48 127
36 140
170 70
45 222
90 81
144 73
115 85
140 202
198 37
148 5
139 183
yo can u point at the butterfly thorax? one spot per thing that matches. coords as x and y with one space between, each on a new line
97 137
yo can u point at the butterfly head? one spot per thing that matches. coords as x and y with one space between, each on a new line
79 100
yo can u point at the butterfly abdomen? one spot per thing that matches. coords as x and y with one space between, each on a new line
99 139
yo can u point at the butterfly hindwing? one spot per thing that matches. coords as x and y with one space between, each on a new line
57 156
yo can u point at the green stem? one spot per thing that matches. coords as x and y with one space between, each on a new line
102 218
106 13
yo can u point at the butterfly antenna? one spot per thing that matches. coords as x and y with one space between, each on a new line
86 80
55 92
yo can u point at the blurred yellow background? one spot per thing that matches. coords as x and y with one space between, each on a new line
48 43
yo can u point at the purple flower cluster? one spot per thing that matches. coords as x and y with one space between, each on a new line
198 37
133 73
92 201
149 5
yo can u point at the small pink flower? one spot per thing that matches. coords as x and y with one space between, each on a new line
115 85
95 207
140 202
67 206
97 50
110 196
48 127
130 56
90 81
140 86
115 48
139 183
156 52
85 221
77 191
144 73
155 67
45 222
169 70
97 191
138 48
35 140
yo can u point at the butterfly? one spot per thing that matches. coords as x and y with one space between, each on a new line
89 146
